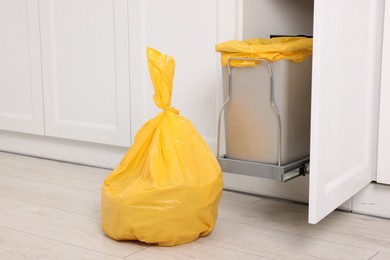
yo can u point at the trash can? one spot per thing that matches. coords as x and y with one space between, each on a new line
267 90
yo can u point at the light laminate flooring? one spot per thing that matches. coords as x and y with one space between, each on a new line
51 210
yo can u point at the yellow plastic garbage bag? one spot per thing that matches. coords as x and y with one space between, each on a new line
167 188
295 49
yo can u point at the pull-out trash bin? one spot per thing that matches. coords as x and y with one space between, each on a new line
266 110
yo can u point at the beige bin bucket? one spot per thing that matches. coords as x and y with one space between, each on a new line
251 121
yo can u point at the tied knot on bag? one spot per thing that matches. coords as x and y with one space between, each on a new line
171 109
166 106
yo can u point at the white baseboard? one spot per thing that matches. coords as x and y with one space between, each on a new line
99 155
373 200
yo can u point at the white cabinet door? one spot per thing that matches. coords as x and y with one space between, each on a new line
346 62
85 70
20 67
384 119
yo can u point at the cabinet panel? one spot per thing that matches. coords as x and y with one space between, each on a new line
20 67
345 93
85 70
384 120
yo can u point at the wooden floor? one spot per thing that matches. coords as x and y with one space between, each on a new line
51 210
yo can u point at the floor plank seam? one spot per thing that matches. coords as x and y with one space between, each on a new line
373 255
59 241
233 249
63 210
136 252
247 252
304 235
48 183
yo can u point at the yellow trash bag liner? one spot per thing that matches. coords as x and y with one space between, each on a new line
167 188
295 49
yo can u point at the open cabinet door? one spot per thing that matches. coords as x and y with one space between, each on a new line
345 94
